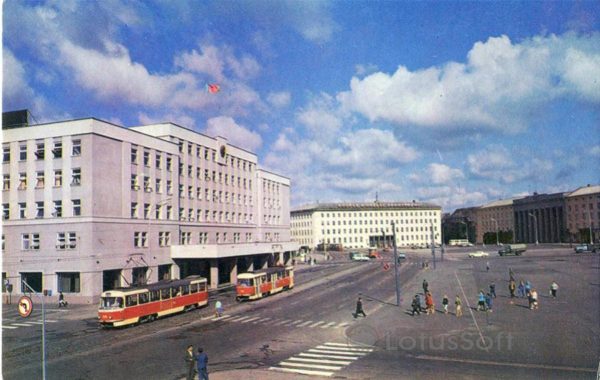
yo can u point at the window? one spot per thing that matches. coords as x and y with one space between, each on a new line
22 209
57 178
169 163
158 186
30 242
5 211
6 182
186 238
134 154
158 211
147 186
57 209
164 239
39 151
76 148
68 282
23 152
158 160
22 181
76 177
169 187
6 154
33 279
39 176
134 182
57 150
76 204
190 192
39 210
140 240
66 240
169 212
146 158
134 210
146 210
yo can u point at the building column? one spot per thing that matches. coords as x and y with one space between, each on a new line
265 262
251 266
214 273
175 271
126 276
234 271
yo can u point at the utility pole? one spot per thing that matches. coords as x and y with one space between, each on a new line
30 289
396 265
433 245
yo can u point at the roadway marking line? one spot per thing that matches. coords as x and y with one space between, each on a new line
521 365
345 349
336 352
342 344
328 356
294 323
330 324
282 322
36 322
316 324
220 318
48 320
22 324
470 310
227 316
304 324
301 365
302 371
342 325
251 319
262 320
238 319
322 361
9 327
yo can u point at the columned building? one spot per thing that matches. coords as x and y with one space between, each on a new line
583 214
89 206
541 218
369 224
496 218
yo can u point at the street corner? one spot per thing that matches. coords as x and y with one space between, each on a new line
364 333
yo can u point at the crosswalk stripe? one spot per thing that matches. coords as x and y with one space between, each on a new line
48 320
335 352
294 323
36 322
282 322
261 320
238 319
22 324
302 371
342 344
304 324
9 327
341 325
328 356
346 349
251 319
225 317
301 365
321 361
330 324
219 318
316 324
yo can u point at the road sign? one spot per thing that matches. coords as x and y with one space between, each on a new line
386 266
25 306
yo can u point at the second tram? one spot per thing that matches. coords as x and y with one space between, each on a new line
263 282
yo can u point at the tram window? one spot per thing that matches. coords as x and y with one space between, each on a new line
175 291
194 288
154 295
143 298
111 302
131 300
165 294
185 289
202 287
245 282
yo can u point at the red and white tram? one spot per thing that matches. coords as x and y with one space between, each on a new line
261 283
126 306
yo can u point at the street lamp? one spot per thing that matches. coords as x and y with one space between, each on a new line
495 221
535 227
466 229
590 223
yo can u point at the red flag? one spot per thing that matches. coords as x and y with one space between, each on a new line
213 88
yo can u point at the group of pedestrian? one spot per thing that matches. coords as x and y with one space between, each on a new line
196 362
485 300
429 309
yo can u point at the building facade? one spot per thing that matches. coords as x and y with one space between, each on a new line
583 214
540 218
363 225
496 218
89 206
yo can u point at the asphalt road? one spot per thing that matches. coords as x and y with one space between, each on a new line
311 327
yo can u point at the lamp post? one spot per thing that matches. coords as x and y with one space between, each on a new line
496 222
396 264
466 229
535 228
590 224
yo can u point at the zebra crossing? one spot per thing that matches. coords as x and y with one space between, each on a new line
323 360
257 319
15 325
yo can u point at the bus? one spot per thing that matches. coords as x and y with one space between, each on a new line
261 283
460 243
136 304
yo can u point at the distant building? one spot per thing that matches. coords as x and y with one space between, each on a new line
540 218
496 220
363 225
583 214
461 224
89 206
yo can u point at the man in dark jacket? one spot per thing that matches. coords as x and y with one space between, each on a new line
416 305
202 364
189 361
359 308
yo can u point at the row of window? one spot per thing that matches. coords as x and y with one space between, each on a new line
217 177
166 212
211 154
40 209
40 150
40 179
376 231
140 238
64 241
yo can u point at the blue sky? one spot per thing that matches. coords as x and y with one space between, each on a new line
456 103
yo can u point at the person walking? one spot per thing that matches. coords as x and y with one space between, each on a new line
521 289
493 290
429 306
218 309
527 288
425 287
487 266
202 364
445 304
553 289
534 299
458 306
359 308
488 302
416 305
511 288
481 301
61 300
189 362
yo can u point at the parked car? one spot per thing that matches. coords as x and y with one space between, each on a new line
357 256
582 248
478 254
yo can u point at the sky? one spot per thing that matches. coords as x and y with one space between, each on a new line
454 103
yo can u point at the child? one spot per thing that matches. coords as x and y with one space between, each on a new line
445 304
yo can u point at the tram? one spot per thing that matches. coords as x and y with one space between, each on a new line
125 306
261 283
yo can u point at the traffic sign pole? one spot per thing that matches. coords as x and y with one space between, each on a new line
30 289
396 264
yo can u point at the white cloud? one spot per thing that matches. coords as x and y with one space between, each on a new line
438 174
207 61
312 19
595 150
364 69
495 89
279 99
283 143
16 91
236 134
176 118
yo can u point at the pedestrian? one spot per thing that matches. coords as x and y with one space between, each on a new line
493 290
534 299
488 302
445 304
458 306
202 364
425 286
429 305
416 305
521 289
511 288
487 266
527 287
189 362
218 308
61 300
481 301
553 289
418 297
359 308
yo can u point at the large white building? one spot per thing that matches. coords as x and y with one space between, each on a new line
89 206
363 225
